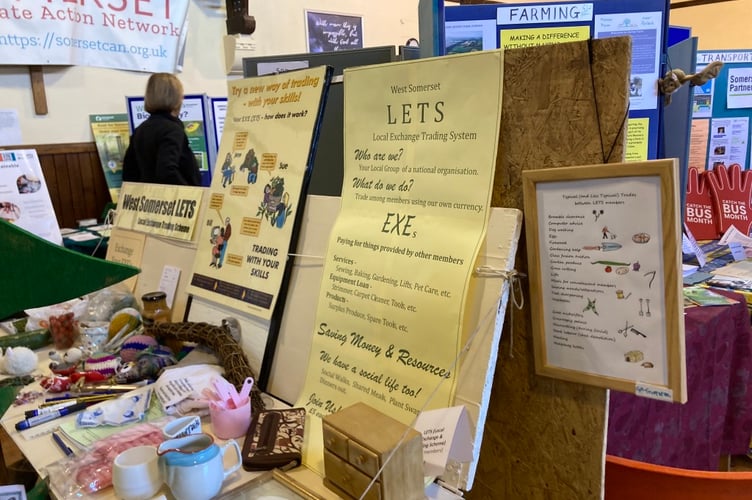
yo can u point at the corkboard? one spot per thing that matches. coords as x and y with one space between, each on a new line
563 105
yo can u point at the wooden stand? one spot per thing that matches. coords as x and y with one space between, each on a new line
358 441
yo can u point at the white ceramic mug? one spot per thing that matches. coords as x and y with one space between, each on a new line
135 473
193 466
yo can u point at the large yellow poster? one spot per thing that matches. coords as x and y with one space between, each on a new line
420 153
256 187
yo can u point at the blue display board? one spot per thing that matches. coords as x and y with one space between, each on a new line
722 112
509 26
199 127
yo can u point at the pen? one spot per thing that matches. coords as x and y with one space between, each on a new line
47 409
84 399
66 449
46 417
78 395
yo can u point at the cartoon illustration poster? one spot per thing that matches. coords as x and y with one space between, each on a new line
604 301
256 188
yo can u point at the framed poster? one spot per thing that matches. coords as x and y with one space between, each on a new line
604 253
330 31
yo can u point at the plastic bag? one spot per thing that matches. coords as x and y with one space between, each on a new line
61 319
87 472
106 302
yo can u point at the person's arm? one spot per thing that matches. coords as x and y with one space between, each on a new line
168 157
130 164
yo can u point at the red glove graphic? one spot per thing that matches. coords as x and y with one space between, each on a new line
699 215
732 190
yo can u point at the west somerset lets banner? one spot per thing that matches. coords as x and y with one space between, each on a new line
132 35
420 157
257 188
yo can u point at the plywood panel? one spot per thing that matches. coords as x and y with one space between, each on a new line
563 105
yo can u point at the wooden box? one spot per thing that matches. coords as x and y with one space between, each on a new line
358 441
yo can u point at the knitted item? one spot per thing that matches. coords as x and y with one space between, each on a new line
102 362
135 345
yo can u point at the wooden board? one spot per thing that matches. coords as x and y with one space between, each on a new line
544 438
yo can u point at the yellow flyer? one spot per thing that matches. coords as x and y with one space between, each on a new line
420 154
256 188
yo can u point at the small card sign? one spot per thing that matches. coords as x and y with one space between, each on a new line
654 392
446 435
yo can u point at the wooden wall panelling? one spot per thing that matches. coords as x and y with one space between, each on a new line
544 438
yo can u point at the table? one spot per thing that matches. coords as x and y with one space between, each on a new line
717 418
42 451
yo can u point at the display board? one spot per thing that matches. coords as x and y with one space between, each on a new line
605 288
482 27
256 197
722 111
111 135
197 120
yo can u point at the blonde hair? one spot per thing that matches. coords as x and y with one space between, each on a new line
164 92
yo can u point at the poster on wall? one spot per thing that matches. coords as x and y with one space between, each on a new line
198 125
329 31
257 190
471 28
139 36
722 112
729 141
702 98
420 159
24 198
111 136
605 286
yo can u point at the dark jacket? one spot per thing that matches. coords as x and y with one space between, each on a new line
158 153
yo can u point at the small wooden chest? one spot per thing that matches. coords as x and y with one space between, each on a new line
357 442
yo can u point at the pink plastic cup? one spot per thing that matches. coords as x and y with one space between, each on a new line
230 423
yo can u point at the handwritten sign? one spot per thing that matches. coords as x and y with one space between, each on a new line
328 31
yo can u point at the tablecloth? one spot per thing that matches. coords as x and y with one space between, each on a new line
717 418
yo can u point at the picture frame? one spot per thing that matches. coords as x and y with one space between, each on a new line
604 262
273 484
333 31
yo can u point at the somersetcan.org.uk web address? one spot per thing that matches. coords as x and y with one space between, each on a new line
51 40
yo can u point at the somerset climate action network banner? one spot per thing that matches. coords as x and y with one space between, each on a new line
121 34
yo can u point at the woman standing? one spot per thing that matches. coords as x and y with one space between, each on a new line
158 151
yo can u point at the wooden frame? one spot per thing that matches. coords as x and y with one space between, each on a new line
272 484
343 37
604 256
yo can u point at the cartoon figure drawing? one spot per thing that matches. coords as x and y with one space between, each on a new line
250 163
607 234
226 233
228 171
217 240
275 206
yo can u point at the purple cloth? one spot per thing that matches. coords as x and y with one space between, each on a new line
717 418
